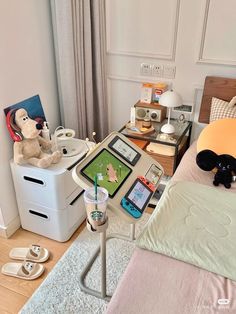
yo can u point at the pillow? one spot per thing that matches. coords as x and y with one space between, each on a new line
219 136
221 109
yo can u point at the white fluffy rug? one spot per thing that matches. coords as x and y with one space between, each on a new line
60 291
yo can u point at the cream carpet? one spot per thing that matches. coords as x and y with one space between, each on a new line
60 291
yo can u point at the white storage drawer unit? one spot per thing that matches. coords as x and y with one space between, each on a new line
50 203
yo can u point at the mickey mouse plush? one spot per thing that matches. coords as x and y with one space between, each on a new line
207 160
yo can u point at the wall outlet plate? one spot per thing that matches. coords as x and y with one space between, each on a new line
157 70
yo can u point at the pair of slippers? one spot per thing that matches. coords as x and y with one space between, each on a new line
29 269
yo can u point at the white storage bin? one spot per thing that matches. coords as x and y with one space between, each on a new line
50 203
49 187
52 223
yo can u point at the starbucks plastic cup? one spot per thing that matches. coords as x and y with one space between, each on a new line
96 206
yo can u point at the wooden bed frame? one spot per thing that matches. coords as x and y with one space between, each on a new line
219 87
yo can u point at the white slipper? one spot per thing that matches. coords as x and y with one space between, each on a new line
34 253
25 270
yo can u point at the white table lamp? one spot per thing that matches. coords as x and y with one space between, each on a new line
169 99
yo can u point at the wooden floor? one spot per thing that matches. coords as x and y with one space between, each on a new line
15 292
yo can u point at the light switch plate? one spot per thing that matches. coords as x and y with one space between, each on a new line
145 69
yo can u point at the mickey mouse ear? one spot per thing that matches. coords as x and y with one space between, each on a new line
206 160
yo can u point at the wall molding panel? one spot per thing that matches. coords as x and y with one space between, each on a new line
120 100
163 45
197 37
136 79
207 37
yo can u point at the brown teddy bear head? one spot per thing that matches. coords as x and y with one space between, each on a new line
29 128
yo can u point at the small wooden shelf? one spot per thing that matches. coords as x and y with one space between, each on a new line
140 143
169 163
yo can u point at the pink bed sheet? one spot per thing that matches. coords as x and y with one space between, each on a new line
157 284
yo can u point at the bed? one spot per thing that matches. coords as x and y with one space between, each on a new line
160 281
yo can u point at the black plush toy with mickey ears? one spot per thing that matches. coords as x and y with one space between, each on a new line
207 160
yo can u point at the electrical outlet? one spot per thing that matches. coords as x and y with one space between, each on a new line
169 71
157 70
145 69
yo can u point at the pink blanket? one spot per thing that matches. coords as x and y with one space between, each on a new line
156 284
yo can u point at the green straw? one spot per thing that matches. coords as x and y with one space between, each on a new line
96 187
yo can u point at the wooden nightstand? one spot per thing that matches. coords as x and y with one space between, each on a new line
167 152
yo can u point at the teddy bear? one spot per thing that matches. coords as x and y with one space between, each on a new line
30 148
225 164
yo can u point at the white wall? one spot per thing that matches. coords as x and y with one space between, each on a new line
169 32
26 68
154 31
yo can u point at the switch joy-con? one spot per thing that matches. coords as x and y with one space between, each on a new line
130 208
147 183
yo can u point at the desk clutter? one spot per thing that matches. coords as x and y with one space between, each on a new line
140 128
151 92
127 172
167 149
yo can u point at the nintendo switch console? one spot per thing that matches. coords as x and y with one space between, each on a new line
138 196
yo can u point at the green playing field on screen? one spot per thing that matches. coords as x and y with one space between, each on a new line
111 171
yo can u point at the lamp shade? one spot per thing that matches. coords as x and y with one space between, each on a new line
170 99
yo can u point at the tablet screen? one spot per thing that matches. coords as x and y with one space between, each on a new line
111 172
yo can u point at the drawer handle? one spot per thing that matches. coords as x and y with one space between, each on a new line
30 179
38 214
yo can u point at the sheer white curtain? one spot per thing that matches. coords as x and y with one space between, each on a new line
79 39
